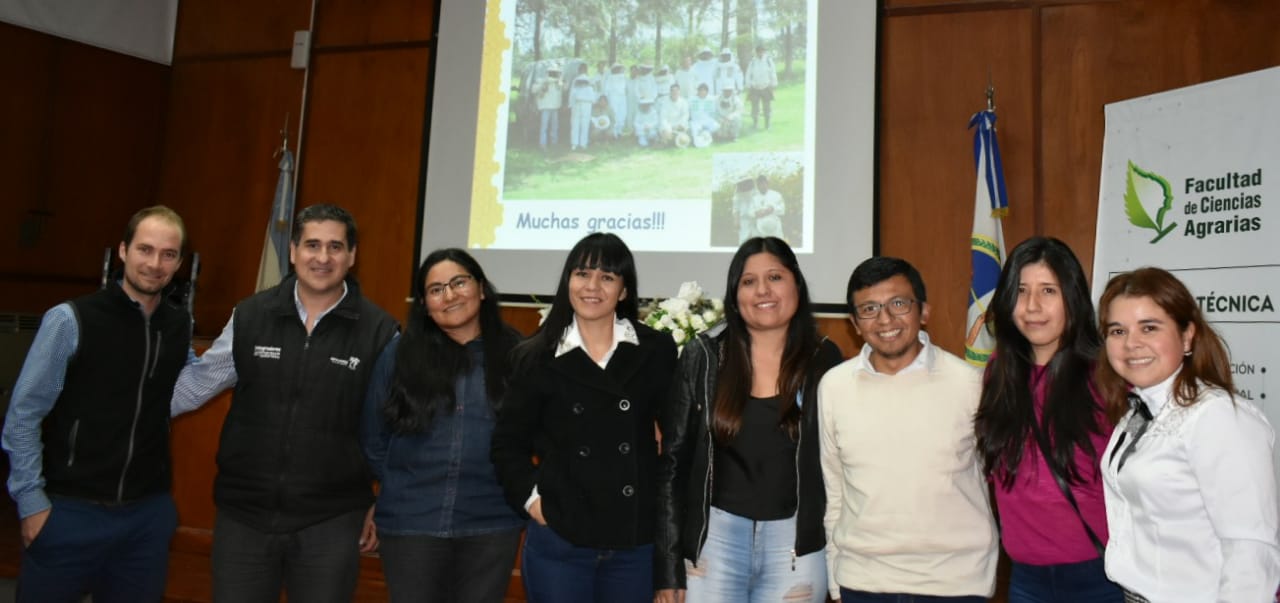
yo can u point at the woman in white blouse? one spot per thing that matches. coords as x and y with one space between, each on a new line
1189 475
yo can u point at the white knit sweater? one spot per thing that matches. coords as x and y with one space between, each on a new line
907 506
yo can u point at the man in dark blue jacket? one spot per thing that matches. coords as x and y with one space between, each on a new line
292 488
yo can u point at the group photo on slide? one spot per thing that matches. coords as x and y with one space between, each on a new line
618 100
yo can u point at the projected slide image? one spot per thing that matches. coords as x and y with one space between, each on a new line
626 116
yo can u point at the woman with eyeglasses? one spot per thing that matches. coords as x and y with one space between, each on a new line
443 526
575 447
1189 474
1041 428
745 410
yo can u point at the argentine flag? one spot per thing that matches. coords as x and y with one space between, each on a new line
275 248
986 244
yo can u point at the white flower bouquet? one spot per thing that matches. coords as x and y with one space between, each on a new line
685 315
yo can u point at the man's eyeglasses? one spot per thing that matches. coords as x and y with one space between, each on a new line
897 306
459 284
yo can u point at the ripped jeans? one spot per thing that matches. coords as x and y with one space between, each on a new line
750 561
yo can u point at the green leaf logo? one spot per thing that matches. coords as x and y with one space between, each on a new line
1137 210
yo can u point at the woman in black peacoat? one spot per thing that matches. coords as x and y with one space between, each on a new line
590 383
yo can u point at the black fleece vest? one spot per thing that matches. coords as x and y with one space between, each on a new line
290 455
107 437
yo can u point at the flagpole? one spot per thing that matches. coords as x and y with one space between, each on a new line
306 100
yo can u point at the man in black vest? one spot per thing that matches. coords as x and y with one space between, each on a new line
87 430
293 489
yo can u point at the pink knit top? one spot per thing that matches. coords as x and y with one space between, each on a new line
1037 524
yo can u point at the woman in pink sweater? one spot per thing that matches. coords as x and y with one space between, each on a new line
1041 427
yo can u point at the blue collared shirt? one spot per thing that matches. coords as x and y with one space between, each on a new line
39 385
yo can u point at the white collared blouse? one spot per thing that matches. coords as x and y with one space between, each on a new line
1193 513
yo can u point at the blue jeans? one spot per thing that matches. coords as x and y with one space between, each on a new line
858 596
1083 582
116 553
550 124
557 571
745 561
465 569
318 563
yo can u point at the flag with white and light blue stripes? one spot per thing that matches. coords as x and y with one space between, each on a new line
275 246
986 244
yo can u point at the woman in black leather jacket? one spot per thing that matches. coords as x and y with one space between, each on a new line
740 495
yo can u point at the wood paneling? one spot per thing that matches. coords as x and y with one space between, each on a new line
80 131
933 76
219 172
228 27
361 151
1096 54
357 23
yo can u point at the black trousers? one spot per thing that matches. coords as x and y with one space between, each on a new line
318 563
469 569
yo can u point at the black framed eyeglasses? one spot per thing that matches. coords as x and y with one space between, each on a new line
897 306
459 284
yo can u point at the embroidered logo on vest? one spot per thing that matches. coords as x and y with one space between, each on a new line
351 363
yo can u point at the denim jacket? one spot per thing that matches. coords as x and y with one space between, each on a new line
439 482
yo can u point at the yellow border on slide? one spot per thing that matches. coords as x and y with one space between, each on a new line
486 212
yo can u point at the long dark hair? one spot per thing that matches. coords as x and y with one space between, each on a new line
603 251
429 362
1209 361
1007 409
733 383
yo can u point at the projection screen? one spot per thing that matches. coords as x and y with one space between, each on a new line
510 177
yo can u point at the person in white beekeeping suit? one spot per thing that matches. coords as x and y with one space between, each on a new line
729 112
633 77
549 96
684 75
703 69
727 70
581 97
645 86
702 117
762 78
663 78
602 120
615 89
768 209
646 122
673 116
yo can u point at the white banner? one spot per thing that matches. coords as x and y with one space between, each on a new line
1190 184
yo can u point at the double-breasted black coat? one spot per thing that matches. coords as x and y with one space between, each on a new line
592 431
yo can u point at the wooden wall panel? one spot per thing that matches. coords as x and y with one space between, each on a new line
362 150
1095 54
933 75
80 131
356 23
228 27
219 172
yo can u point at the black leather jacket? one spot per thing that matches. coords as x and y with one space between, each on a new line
685 467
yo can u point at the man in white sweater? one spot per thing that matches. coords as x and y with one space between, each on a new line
907 508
